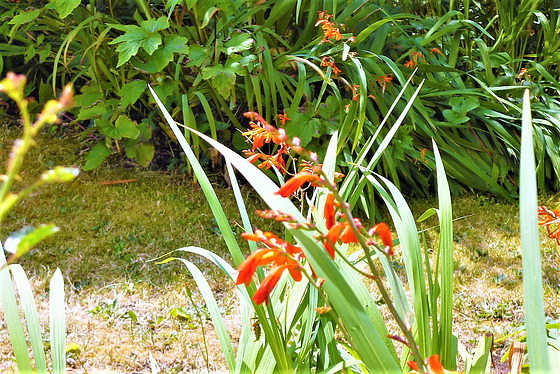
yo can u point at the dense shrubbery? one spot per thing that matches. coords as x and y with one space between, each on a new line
325 65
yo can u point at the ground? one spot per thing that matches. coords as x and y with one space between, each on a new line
123 308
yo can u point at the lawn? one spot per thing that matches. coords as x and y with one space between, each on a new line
123 308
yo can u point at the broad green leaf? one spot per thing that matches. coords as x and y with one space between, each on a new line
464 105
122 128
304 127
222 78
96 156
144 154
155 25
131 92
454 116
164 54
89 95
197 54
238 43
134 39
63 7
95 111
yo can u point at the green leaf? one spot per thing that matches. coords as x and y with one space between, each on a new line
464 105
239 43
144 154
122 128
60 174
63 7
31 316
304 127
134 39
95 111
455 117
20 245
89 96
223 79
164 54
532 265
131 92
96 156
155 25
57 323
197 54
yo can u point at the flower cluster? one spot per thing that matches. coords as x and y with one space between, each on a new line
285 256
329 61
330 29
262 133
383 80
415 60
547 218
280 253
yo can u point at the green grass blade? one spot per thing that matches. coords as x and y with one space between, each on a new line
206 186
11 314
447 353
57 323
532 267
213 309
482 358
31 316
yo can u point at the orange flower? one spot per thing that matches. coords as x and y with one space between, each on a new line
410 64
297 181
280 254
355 92
267 160
547 218
262 133
260 257
434 366
282 118
270 281
382 230
341 231
326 61
335 69
436 50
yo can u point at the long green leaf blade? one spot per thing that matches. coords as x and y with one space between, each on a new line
447 352
31 316
532 268
11 313
58 323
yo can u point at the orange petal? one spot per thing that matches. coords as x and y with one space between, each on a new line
385 234
435 366
296 182
268 284
246 270
332 237
329 211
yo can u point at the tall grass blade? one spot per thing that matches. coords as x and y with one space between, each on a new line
447 352
532 267
57 323
11 314
31 316
213 309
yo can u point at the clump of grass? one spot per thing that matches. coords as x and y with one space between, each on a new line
121 307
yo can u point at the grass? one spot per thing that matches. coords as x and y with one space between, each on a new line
121 307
